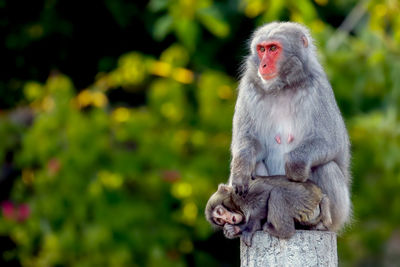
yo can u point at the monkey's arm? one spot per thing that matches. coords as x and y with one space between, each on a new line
310 153
245 147
249 229
245 150
243 164
246 230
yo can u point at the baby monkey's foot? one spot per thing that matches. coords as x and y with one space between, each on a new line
320 226
247 238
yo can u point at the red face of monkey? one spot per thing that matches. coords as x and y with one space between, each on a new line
221 216
269 53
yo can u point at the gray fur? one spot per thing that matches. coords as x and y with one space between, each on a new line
300 102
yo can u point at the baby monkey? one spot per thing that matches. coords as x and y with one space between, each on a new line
273 204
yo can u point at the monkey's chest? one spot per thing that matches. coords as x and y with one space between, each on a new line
279 137
282 133
278 141
277 125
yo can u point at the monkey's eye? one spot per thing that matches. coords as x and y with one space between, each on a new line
219 211
219 221
272 48
262 49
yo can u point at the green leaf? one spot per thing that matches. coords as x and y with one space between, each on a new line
187 32
274 11
162 27
157 5
306 9
213 20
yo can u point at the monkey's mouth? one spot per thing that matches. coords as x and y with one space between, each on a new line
236 219
269 76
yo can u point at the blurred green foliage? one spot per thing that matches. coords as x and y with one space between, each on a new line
116 184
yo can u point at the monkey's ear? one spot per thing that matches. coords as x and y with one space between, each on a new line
304 40
224 188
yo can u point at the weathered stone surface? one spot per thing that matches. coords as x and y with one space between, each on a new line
305 248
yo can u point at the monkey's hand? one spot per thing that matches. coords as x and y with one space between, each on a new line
231 231
241 185
296 168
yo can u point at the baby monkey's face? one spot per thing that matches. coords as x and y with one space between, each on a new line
222 215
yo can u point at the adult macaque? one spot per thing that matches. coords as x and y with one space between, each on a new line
273 204
287 121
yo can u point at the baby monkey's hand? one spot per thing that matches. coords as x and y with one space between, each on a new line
231 231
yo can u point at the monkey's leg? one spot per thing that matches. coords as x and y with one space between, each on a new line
279 221
325 212
325 215
333 183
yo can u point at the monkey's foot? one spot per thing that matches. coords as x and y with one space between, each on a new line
247 238
320 226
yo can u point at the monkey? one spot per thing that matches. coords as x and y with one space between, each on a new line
287 121
273 204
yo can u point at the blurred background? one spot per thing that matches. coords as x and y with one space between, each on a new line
115 125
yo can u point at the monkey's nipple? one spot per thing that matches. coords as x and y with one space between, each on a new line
278 139
290 138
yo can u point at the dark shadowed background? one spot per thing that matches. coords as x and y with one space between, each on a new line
115 125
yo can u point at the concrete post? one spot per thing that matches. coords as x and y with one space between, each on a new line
305 248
